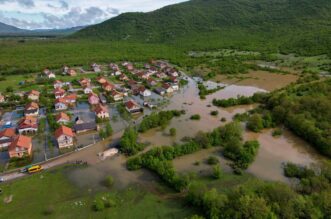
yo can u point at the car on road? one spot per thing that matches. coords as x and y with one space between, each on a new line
2 179
25 169
35 169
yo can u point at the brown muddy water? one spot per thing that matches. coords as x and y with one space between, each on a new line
273 151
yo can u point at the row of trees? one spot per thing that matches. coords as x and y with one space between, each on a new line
129 142
240 100
160 119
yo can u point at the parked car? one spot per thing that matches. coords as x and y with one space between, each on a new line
8 125
2 179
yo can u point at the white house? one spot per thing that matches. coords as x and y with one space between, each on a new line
64 137
144 92
61 104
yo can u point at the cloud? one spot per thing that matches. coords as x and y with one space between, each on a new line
24 3
33 14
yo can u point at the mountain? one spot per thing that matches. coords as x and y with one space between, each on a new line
5 29
301 24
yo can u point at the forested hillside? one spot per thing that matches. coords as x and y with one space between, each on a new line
301 26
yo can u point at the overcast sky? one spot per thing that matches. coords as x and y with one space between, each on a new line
36 14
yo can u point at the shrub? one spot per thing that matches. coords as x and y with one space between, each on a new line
212 160
214 113
217 171
109 181
195 117
172 132
99 205
277 132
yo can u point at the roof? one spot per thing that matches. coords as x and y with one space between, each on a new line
63 130
34 92
85 126
71 97
131 104
7 133
22 142
166 85
100 109
107 84
60 100
92 95
59 90
32 105
62 116
28 120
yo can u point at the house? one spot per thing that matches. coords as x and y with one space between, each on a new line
108 86
147 66
161 75
142 75
103 99
129 67
20 147
175 86
173 79
151 82
33 95
160 90
6 137
72 72
168 88
123 77
101 112
114 67
28 124
62 118
64 137
65 70
58 84
132 83
88 90
93 99
85 127
152 70
135 89
71 98
31 109
49 74
61 104
144 92
101 80
161 64
59 93
117 96
2 98
85 82
132 107
96 68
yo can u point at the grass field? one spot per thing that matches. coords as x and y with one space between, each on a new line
51 195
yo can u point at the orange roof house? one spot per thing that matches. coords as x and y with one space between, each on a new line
6 137
20 147
62 118
33 95
28 124
64 136
31 109
101 112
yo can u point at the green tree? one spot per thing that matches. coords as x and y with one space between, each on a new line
255 123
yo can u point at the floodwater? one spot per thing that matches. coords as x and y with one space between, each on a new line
273 151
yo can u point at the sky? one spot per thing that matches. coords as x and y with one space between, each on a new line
48 14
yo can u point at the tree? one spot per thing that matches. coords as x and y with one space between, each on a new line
255 123
109 130
129 144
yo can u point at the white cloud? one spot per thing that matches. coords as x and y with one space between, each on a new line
68 13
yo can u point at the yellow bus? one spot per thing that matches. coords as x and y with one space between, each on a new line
35 169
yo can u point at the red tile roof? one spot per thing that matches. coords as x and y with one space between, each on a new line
22 142
7 133
63 130
62 116
32 105
100 109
